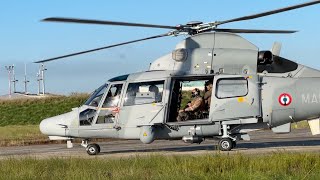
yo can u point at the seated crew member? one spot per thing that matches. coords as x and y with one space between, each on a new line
131 94
192 107
157 95
108 100
207 94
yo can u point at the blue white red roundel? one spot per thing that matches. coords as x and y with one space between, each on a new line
285 99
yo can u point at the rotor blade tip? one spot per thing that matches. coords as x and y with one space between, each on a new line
46 19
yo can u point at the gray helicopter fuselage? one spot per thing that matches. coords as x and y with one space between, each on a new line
247 95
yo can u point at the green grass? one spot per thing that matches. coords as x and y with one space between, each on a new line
300 125
31 111
20 118
21 135
275 166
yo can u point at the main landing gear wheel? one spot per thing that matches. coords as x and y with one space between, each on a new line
234 144
93 149
226 144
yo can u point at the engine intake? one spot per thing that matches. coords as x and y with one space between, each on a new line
265 57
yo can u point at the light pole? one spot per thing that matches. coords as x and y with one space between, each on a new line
9 69
40 79
14 80
39 82
25 79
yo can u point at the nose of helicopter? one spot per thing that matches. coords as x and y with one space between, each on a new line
53 127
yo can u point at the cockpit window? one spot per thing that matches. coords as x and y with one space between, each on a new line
113 96
96 96
109 109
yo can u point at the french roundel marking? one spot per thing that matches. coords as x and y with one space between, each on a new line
285 99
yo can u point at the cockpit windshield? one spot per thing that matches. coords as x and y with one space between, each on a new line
96 96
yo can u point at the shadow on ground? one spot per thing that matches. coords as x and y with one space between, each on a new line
240 145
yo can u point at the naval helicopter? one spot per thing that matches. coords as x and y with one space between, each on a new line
249 90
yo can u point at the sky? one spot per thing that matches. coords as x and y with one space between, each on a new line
25 39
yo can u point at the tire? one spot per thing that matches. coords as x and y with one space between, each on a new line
93 149
234 144
98 148
225 144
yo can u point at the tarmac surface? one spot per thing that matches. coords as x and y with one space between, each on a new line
262 142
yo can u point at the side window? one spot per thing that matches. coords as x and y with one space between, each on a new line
144 93
227 88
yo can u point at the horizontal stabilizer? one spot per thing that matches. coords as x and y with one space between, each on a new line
314 126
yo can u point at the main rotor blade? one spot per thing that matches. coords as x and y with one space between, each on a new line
254 31
89 21
268 12
101 48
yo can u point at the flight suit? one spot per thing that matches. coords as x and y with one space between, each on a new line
207 99
196 105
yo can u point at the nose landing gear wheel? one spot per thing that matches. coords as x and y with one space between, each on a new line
225 144
93 149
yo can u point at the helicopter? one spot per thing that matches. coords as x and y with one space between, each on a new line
248 89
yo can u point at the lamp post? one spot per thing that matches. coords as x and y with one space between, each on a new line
25 79
14 80
40 78
9 69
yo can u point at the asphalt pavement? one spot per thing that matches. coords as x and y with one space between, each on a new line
262 142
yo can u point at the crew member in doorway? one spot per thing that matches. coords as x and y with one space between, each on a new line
207 94
192 109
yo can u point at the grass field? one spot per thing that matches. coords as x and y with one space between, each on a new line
21 135
32 111
20 118
281 165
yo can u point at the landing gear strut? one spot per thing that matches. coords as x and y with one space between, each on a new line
92 149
